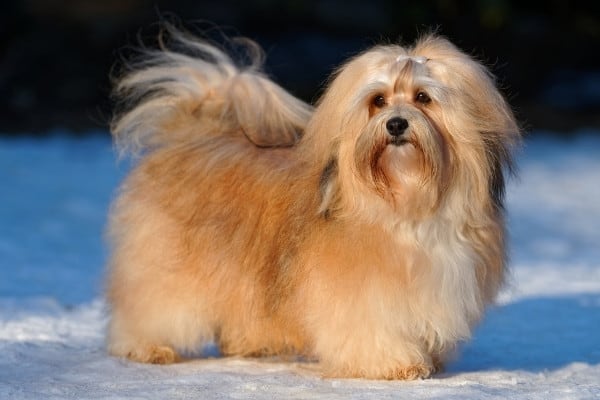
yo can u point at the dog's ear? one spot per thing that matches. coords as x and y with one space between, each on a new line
329 189
500 162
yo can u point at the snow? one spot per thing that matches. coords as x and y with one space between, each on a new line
541 341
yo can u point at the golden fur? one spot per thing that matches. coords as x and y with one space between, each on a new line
272 228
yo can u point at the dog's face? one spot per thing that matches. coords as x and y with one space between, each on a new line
410 126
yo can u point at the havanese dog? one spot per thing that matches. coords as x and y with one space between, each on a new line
366 232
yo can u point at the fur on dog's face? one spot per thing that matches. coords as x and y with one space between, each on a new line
410 125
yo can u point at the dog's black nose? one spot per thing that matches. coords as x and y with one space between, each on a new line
396 126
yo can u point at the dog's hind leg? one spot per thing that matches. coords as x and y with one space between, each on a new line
156 314
126 338
156 331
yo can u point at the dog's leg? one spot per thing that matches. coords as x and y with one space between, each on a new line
130 341
148 327
371 358
355 334
152 354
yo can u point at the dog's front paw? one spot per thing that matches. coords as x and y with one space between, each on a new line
410 373
405 373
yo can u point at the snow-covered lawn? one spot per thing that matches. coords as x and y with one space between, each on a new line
542 341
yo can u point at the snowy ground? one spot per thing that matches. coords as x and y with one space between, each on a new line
541 342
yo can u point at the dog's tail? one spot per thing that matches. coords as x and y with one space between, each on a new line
188 88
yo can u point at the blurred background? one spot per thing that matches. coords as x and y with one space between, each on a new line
56 55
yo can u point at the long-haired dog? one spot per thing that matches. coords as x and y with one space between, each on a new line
366 233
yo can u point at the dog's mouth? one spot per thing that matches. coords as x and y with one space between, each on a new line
398 141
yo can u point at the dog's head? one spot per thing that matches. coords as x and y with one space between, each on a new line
411 128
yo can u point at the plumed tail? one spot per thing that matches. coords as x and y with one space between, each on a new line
188 88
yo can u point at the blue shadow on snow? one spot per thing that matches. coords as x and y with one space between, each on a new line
535 334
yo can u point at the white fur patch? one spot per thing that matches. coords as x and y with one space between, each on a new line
404 57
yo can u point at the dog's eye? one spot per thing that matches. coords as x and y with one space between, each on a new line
422 98
379 101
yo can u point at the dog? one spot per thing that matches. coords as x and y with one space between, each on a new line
366 232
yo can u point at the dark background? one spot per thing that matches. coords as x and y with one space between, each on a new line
56 55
